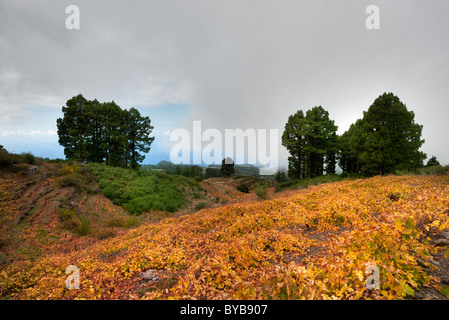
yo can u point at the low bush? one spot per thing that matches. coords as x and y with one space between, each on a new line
434 170
28 158
261 190
71 180
431 170
84 227
243 187
7 158
200 205
74 222
306 182
123 222
285 185
116 222
131 222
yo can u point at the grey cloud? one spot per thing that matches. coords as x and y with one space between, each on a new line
239 64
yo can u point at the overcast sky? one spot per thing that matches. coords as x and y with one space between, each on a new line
231 64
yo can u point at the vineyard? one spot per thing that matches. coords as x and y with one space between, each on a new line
317 243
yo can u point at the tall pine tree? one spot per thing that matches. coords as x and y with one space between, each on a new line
294 140
386 139
311 140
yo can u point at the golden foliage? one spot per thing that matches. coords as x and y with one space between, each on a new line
313 245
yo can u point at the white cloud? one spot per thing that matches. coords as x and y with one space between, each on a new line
20 132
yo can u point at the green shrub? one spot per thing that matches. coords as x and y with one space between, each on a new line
84 227
243 187
131 222
440 170
280 176
430 170
139 205
66 214
113 192
71 180
261 190
285 185
7 158
123 222
200 205
70 167
306 182
171 207
28 158
116 222
74 222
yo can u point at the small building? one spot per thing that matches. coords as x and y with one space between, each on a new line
25 168
32 170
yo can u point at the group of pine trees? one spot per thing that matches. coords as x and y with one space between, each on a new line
91 131
385 140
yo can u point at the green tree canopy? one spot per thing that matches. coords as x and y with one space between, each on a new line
432 162
386 139
311 140
227 167
91 131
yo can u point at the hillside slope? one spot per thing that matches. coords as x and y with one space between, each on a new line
315 244
41 214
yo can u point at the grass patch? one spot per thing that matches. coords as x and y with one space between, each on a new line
304 183
123 222
437 170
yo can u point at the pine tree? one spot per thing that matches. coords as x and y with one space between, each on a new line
73 128
138 129
386 139
312 143
348 160
294 140
227 167
432 162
